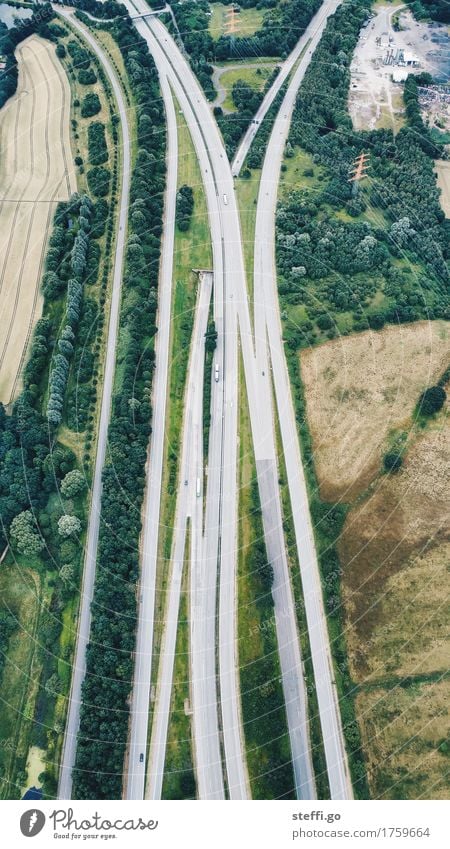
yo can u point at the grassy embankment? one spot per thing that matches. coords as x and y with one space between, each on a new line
263 712
179 778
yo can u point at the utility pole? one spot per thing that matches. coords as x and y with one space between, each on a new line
360 166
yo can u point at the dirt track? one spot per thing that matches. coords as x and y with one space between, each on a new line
36 171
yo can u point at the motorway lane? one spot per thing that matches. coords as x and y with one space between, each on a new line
140 699
228 266
267 320
315 26
264 442
84 616
188 505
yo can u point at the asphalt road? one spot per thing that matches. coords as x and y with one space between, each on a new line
314 28
84 616
140 699
228 264
236 307
267 320
189 505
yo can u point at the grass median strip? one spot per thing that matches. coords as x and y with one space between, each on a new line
264 715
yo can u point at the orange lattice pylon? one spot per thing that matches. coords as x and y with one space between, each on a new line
360 167
231 20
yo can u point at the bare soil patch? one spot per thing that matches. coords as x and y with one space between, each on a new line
402 731
361 388
443 181
390 553
392 45
36 171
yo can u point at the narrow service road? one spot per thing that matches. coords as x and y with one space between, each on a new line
87 589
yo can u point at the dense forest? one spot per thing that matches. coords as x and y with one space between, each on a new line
370 252
438 10
104 716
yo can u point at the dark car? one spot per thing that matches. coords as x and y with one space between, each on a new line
141 758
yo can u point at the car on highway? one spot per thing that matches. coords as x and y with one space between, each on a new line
216 373
225 200
141 758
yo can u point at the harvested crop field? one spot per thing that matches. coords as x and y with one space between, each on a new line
404 732
36 171
394 553
443 181
358 389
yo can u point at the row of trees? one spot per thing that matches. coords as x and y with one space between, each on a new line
104 715
97 147
184 207
61 361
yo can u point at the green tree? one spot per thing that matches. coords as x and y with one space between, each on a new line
432 400
68 525
73 483
25 535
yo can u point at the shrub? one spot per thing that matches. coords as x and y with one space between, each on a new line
68 525
87 76
98 151
392 461
25 535
98 180
90 105
432 400
73 483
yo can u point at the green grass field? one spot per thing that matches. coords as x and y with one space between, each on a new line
247 21
23 596
255 77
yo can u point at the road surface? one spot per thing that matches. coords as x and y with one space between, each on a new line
236 307
313 31
87 589
189 505
228 265
140 698
267 321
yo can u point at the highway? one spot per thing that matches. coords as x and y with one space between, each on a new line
189 505
309 39
219 545
228 266
140 698
264 441
87 589
267 321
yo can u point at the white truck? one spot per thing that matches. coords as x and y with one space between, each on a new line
216 373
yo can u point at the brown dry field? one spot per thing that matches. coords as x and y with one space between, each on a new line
395 545
443 181
402 730
394 556
358 389
36 171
